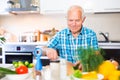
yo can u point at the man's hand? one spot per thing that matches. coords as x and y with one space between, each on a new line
77 65
51 53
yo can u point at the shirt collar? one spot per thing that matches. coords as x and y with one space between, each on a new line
81 32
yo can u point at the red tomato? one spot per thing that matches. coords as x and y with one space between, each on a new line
21 69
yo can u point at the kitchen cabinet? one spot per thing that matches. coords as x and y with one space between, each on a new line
89 6
107 6
52 6
17 6
61 6
3 6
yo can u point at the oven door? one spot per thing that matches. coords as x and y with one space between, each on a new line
10 57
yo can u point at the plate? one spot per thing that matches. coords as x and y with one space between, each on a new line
100 77
18 76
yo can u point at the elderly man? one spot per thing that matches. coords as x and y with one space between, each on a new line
66 42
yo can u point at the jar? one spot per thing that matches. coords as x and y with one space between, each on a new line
55 70
63 69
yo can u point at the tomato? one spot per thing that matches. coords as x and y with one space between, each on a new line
21 69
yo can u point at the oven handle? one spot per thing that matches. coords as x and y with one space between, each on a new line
18 53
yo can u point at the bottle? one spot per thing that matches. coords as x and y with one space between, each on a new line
38 36
38 64
55 70
63 69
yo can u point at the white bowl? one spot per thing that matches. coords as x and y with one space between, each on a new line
100 77
19 76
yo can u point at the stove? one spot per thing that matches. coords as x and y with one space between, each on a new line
18 52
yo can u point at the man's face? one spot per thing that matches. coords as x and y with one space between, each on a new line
74 21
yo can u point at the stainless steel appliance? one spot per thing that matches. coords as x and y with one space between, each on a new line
18 52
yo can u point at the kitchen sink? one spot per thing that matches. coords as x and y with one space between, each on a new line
108 41
110 44
111 49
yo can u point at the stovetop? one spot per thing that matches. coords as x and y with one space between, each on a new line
19 48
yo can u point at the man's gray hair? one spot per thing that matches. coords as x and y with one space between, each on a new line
77 7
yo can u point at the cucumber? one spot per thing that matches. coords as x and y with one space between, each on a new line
2 75
6 71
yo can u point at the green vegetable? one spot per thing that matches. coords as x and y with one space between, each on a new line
77 74
20 63
26 63
90 58
30 65
6 71
15 64
2 75
3 39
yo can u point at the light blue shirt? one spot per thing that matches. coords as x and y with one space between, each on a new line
66 45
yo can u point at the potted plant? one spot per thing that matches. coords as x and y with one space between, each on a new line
90 58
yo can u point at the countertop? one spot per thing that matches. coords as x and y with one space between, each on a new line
28 43
44 43
105 45
10 66
109 45
46 71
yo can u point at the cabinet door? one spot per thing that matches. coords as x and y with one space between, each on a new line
87 5
107 6
61 6
52 6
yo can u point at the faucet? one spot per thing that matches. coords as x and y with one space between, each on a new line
105 35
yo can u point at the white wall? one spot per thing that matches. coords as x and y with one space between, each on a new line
28 22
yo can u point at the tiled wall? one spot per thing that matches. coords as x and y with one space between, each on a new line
29 22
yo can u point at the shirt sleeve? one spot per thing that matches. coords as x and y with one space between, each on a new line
94 41
53 43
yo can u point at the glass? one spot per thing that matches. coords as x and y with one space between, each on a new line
55 70
46 73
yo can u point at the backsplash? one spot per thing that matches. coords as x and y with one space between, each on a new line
28 22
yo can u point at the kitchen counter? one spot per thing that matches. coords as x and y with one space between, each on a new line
29 43
10 66
46 71
109 45
102 45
